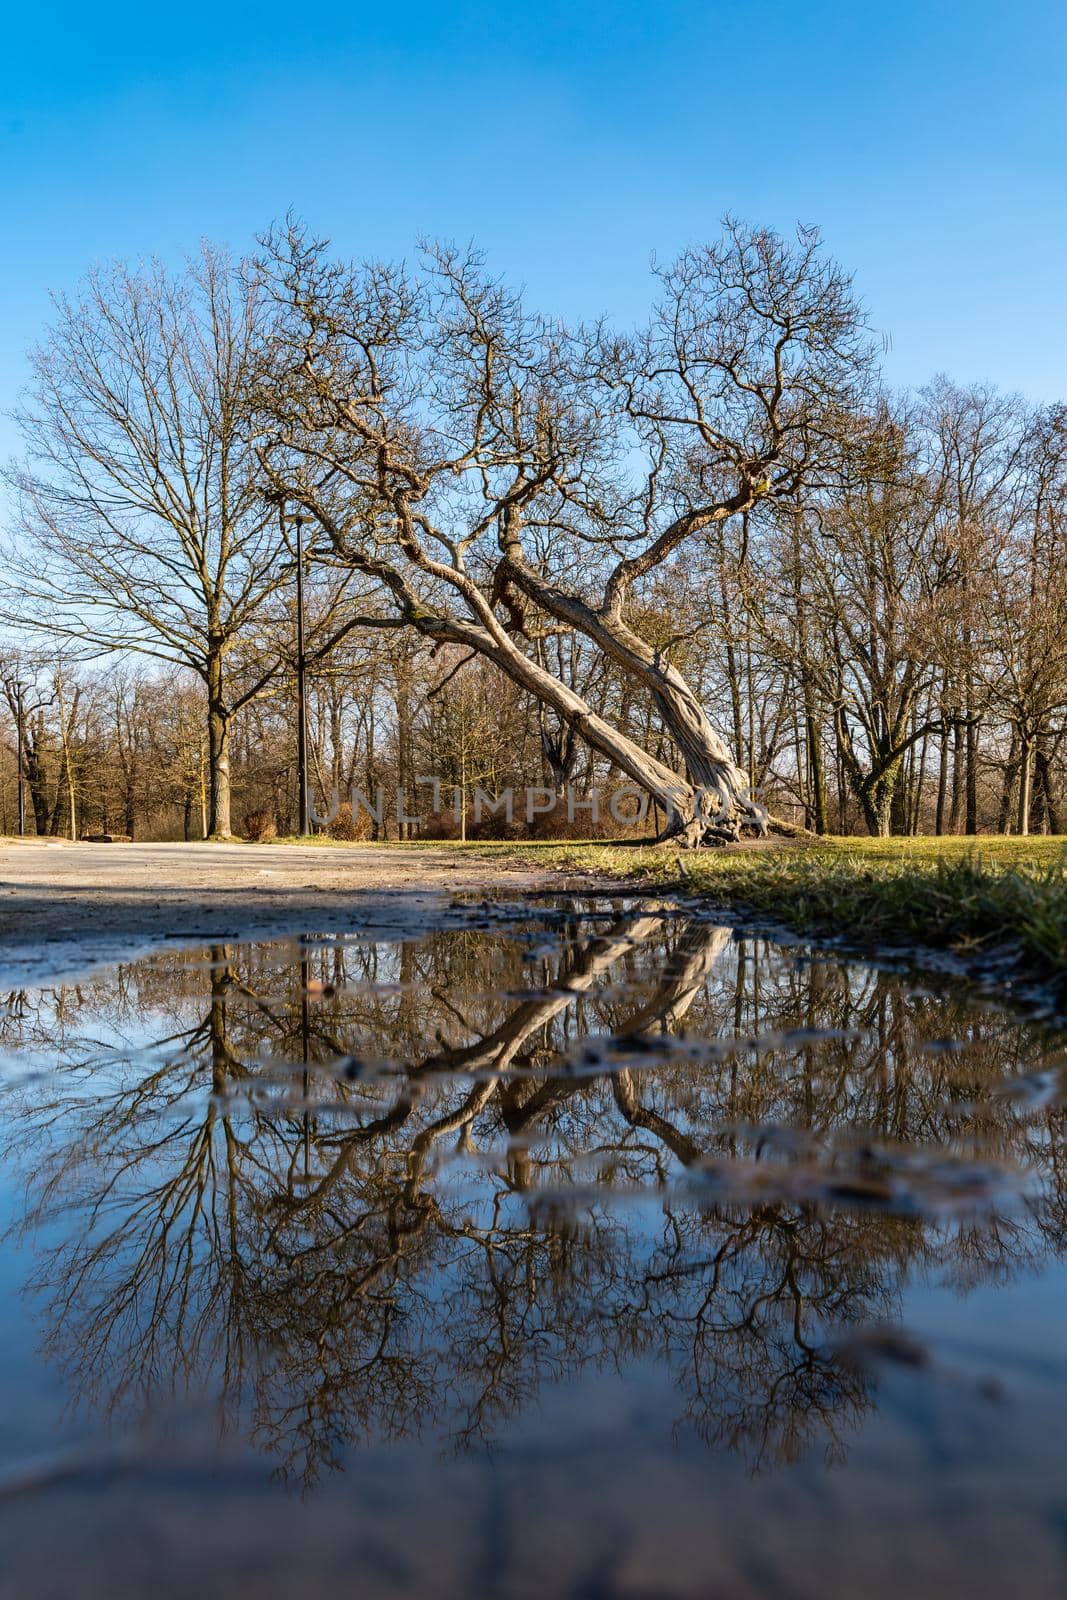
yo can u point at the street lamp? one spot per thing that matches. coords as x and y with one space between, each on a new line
18 759
301 700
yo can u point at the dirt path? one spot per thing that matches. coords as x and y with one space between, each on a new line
65 906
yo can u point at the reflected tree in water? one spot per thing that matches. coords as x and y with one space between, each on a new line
379 1190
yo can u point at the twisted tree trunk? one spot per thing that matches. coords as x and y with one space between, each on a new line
719 804
688 809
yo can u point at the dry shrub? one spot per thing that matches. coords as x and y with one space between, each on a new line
443 825
555 824
440 825
260 826
489 826
348 827
631 825
552 824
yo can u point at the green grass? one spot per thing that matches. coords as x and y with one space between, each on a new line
974 897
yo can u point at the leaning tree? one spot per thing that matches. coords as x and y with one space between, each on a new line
504 478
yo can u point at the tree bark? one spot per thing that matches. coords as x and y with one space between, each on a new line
1043 765
957 775
218 754
1026 774
1007 788
972 774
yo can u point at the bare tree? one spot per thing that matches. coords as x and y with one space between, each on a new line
29 690
143 527
1023 605
865 611
975 440
478 461
737 391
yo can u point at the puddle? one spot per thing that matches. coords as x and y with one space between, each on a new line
589 1249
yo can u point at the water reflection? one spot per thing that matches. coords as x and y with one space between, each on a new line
355 1192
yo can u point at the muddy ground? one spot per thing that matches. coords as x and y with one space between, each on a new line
66 906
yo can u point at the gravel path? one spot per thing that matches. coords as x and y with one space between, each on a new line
65 906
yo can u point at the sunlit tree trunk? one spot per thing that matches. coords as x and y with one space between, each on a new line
218 754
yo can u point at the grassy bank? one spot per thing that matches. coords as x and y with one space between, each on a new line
977 898
999 895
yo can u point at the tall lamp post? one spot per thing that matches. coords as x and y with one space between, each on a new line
18 759
301 699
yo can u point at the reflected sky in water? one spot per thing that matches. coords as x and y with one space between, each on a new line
592 1249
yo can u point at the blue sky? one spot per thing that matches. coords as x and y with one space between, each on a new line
926 139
